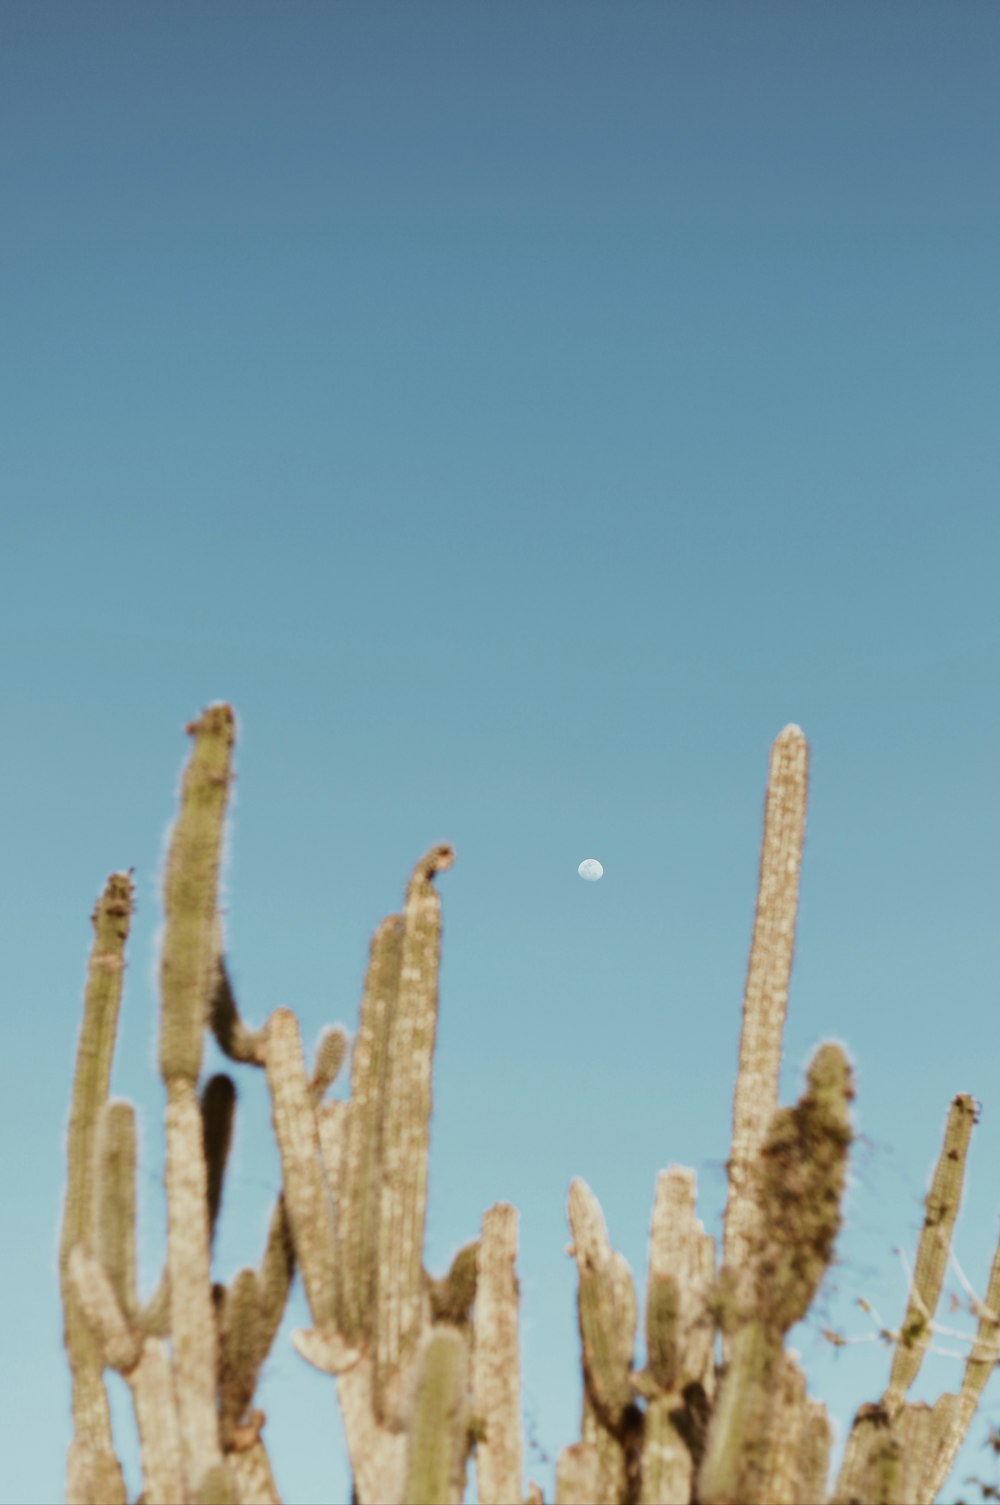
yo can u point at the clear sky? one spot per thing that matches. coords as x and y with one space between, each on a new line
519 413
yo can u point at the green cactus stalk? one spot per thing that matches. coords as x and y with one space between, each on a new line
438 1433
406 1139
981 1363
765 998
96 1473
607 1323
190 896
307 1200
114 1240
330 1054
942 1204
896 1452
496 1359
361 1184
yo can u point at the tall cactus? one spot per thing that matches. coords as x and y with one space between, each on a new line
428 1369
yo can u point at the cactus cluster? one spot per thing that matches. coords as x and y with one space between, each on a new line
427 1369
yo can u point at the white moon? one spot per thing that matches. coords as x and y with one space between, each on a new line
590 869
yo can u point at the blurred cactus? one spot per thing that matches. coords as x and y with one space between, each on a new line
428 1369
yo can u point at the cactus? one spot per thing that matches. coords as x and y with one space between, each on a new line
427 1368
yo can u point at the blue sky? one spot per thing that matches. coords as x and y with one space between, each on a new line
519 414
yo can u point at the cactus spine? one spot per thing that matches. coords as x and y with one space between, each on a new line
428 1369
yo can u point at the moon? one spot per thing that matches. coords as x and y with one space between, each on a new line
590 869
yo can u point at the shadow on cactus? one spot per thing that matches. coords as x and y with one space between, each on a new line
427 1370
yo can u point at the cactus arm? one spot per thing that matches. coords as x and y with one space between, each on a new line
240 1355
94 1457
331 1125
452 1296
145 1365
95 1050
307 1203
679 1338
942 1204
190 896
306 1199
607 1316
681 1268
885 1439
765 998
274 1277
360 1185
979 1366
155 1315
496 1359
114 1240
218 1107
438 1440
872 1464
121 1346
330 1053
800 1185
406 1138
802 1179
190 950
234 1038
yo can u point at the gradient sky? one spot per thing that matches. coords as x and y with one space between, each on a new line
519 413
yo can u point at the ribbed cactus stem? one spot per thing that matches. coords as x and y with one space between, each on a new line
438 1442
95 1458
942 1204
406 1138
307 1202
496 1371
121 1346
188 962
802 1178
734 1470
190 896
361 1172
681 1269
330 1054
980 1364
145 1364
274 1277
192 1319
234 1038
452 1296
240 1349
607 1307
116 1208
218 1108
666 1458
94 1054
765 998
800 1183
